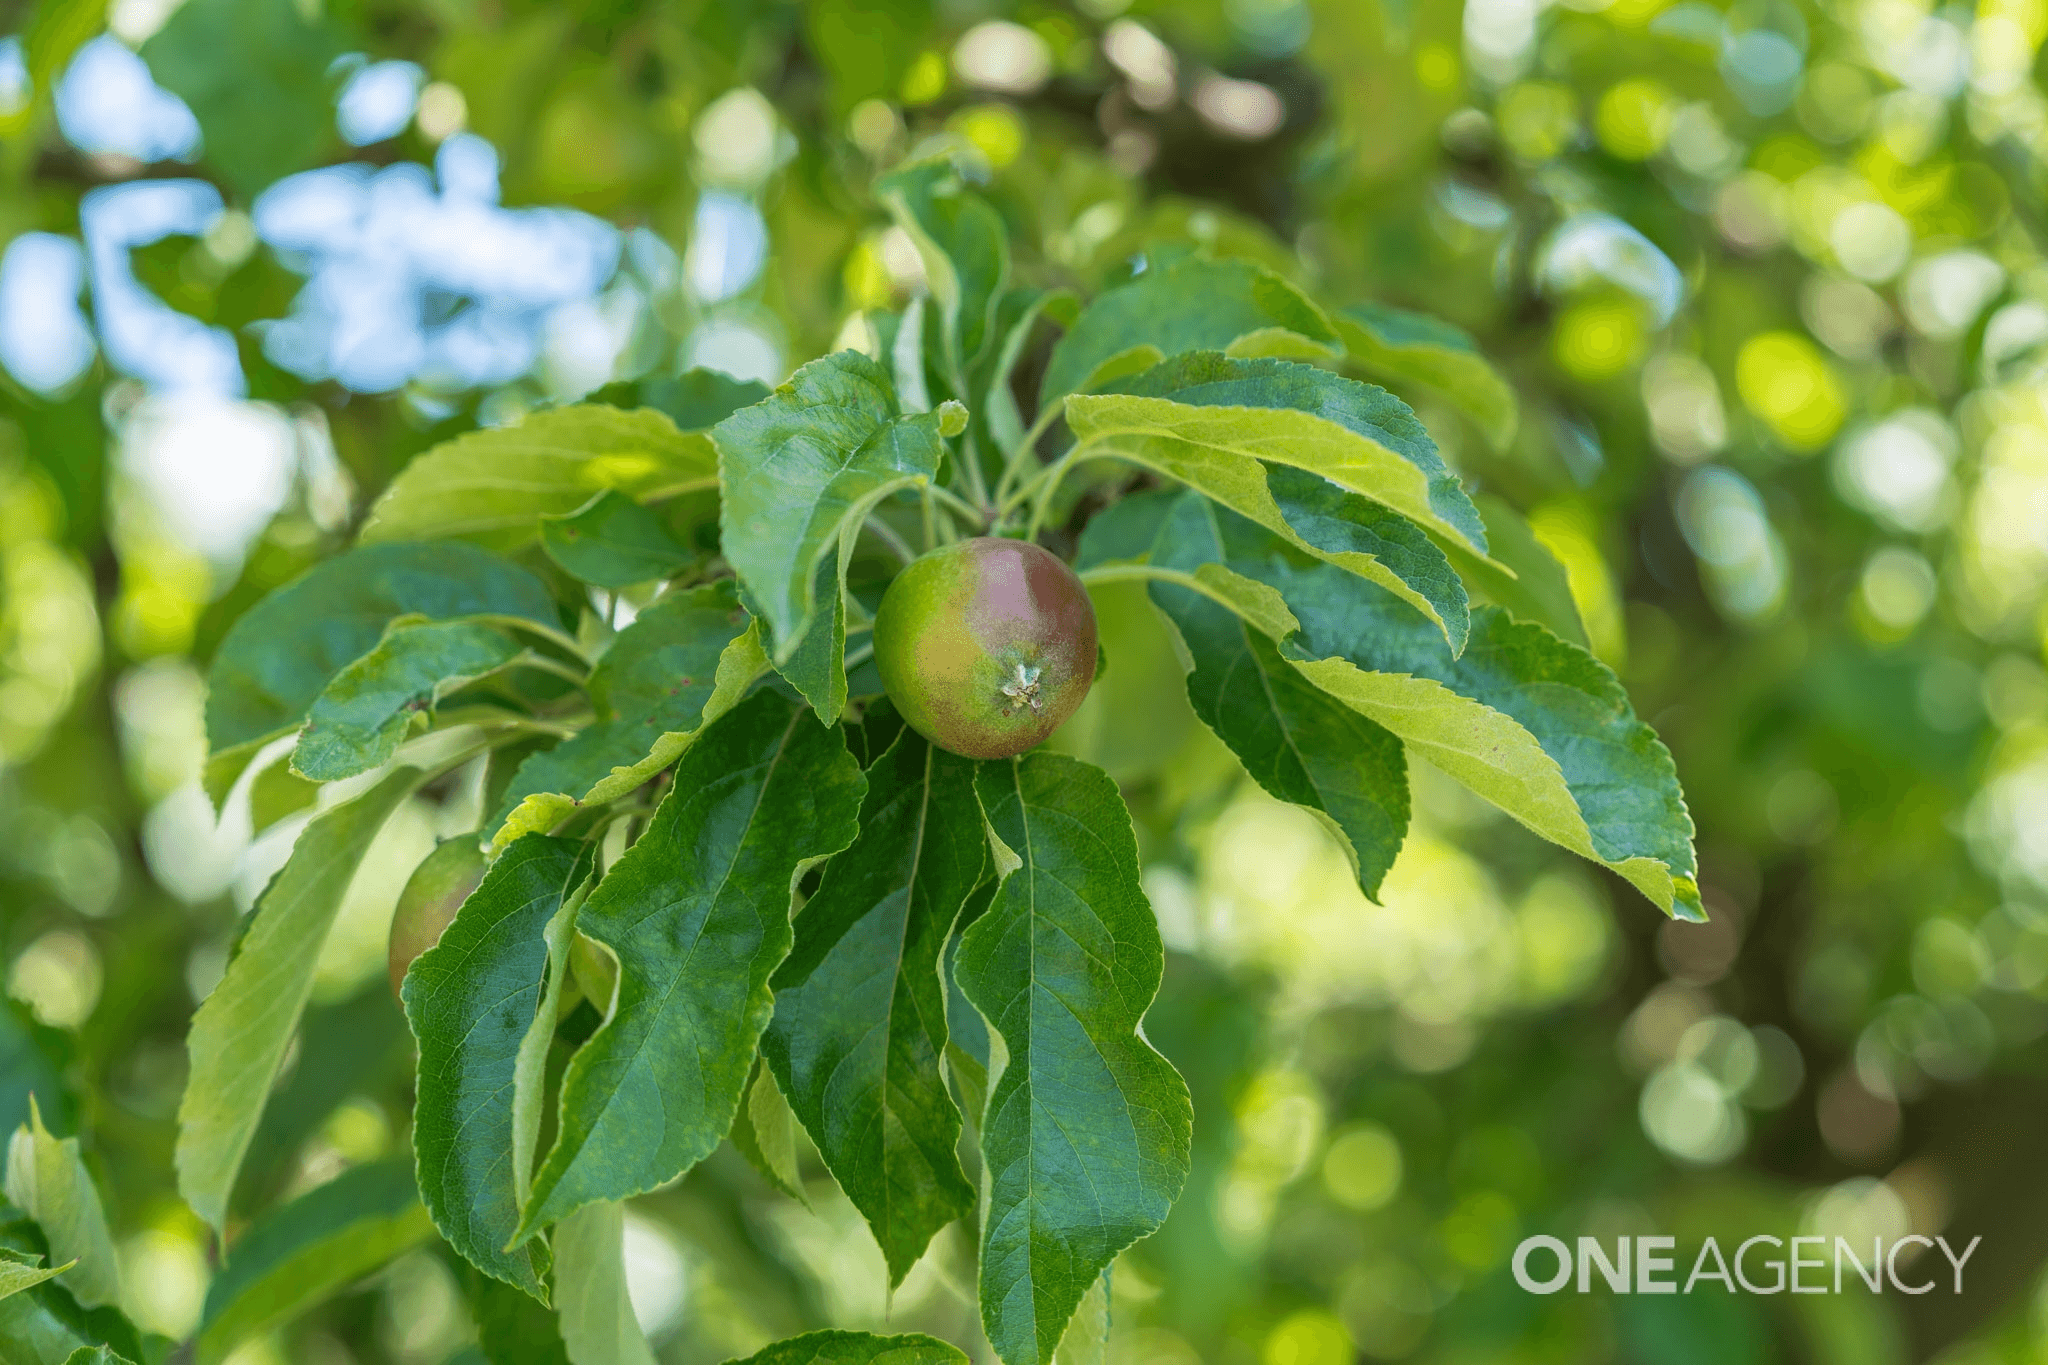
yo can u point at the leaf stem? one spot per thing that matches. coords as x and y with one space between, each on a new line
1027 448
887 534
960 507
542 663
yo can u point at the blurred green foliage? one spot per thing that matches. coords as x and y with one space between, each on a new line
1767 281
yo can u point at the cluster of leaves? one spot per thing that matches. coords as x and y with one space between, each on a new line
731 895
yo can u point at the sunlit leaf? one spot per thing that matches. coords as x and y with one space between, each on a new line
1208 420
16 1276
240 1032
860 1011
470 999
1399 345
301 1253
856 1348
1190 305
494 485
799 473
697 913
47 1180
764 1131
1086 1136
281 653
598 1327
360 719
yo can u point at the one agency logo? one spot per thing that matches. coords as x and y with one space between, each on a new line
1760 1265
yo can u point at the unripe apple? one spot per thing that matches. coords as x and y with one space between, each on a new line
986 646
427 906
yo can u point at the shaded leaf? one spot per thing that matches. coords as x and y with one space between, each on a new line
300 1254
860 1010
255 74
96 1355
1190 305
43 1324
1344 528
240 1032
1530 722
1297 742
281 654
800 471
613 542
359 720
683 662
278 793
1539 590
697 913
965 250
817 666
511 1328
694 400
494 485
856 1348
1087 1132
598 1327
1399 345
47 1180
470 1000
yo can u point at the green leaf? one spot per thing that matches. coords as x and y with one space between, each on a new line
1216 417
530 1061
96 1355
856 1348
1086 1137
494 485
817 666
598 1327
1538 591
998 408
965 250
255 74
1399 345
800 472
613 542
240 1032
471 999
1530 722
1190 305
42 1324
362 717
47 1180
1345 528
682 663
16 1276
695 400
1086 1341
764 1131
1296 741
296 1256
277 793
697 913
860 1010
281 654
511 1328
